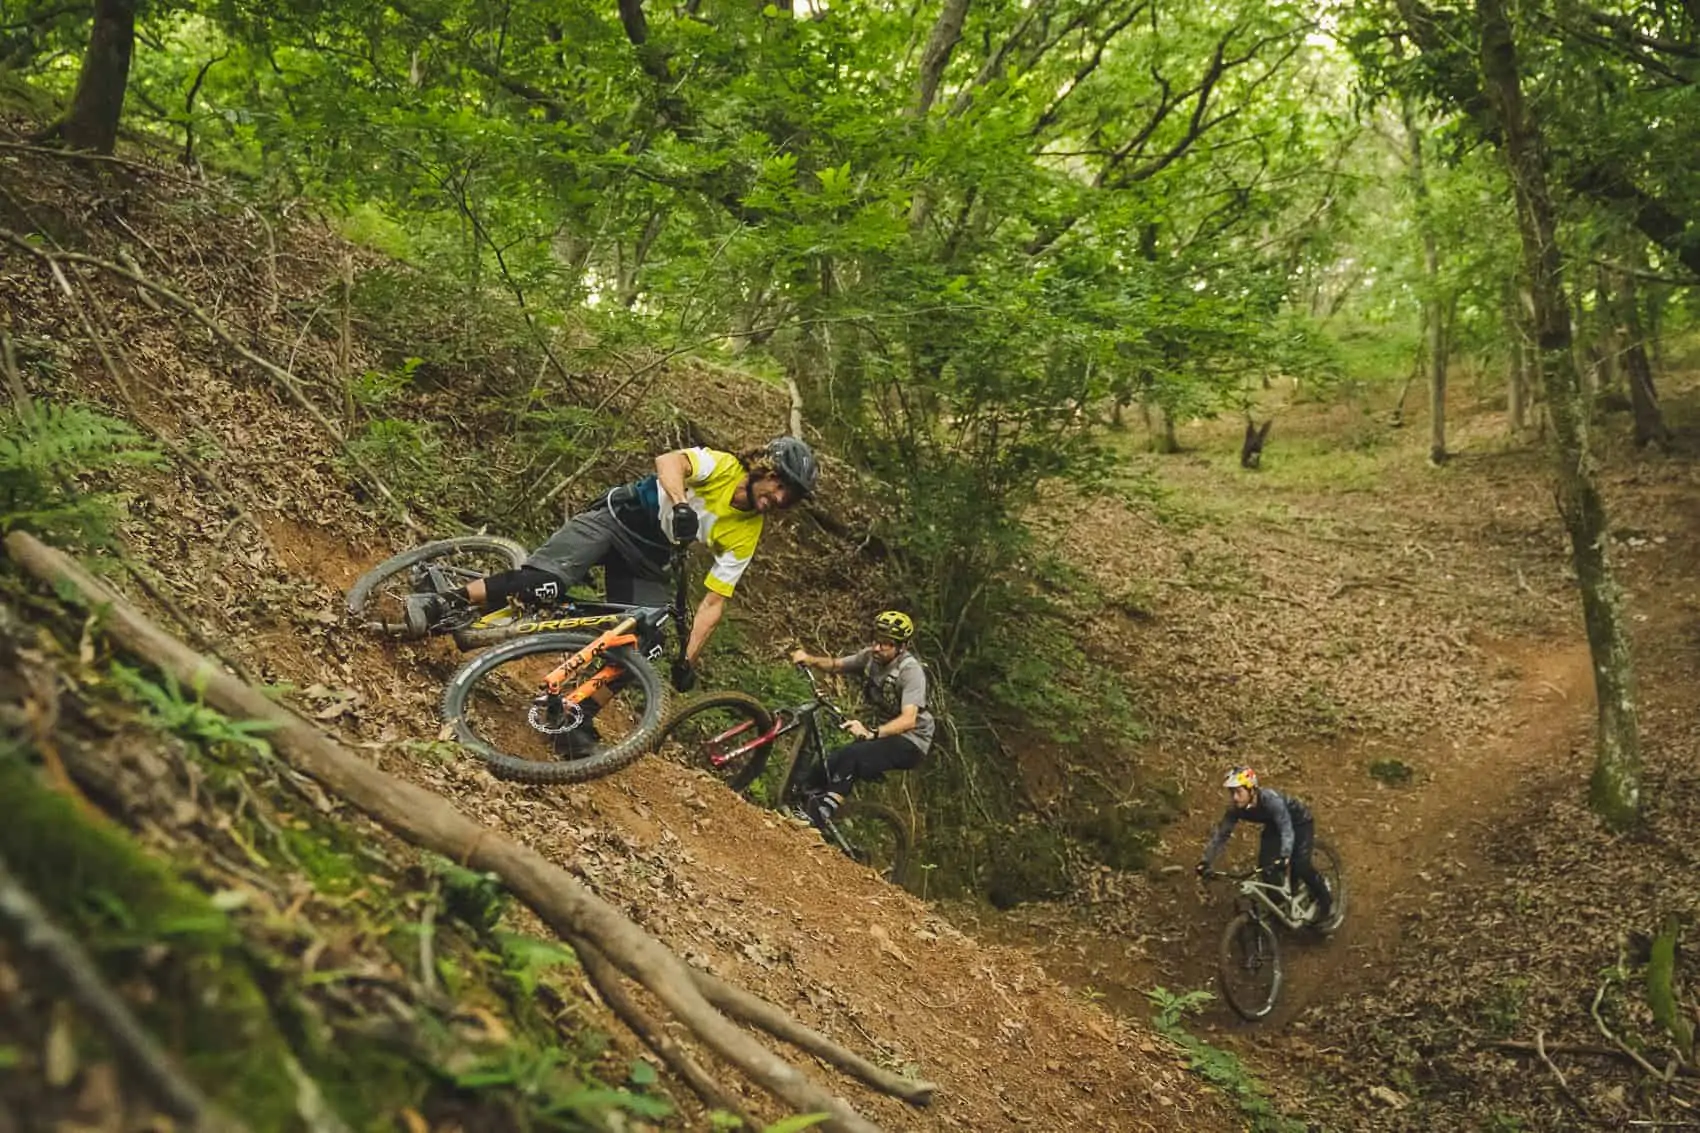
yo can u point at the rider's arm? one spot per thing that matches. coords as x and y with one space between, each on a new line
824 664
904 721
672 469
702 625
1276 805
1219 837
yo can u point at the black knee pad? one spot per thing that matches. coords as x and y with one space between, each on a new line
532 586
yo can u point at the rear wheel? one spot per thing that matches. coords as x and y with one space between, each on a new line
494 707
375 602
1327 862
716 733
876 836
1249 967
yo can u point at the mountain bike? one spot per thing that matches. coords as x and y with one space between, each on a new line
518 703
733 735
1248 964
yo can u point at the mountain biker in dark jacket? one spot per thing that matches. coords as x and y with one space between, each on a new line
1289 833
894 689
696 494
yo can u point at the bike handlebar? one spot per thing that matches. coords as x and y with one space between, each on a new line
821 699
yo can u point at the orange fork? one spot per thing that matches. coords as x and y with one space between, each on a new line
611 639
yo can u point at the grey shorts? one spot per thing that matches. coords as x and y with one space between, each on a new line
633 573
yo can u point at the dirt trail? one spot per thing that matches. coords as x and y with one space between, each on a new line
1400 844
1421 617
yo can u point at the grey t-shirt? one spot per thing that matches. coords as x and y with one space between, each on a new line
889 689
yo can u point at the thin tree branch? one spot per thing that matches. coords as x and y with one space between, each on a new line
35 932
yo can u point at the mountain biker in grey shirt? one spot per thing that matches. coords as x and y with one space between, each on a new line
1289 834
894 688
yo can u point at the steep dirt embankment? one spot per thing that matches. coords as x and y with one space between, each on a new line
257 528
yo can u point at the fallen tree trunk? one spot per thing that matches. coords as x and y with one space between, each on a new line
428 821
606 980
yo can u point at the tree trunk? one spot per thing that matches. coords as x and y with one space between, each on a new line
1616 787
1434 326
92 121
1163 437
1643 396
1657 296
1435 336
941 44
1251 448
1516 377
1159 428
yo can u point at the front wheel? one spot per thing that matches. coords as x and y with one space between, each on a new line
1249 967
494 707
376 600
721 733
876 836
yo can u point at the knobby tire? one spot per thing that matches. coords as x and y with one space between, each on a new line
737 703
1249 1007
628 749
369 583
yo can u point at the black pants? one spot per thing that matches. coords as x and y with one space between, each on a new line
1304 840
632 574
864 759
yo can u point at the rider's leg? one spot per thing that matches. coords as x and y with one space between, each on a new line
856 761
1304 841
564 560
641 583
869 759
533 587
1268 852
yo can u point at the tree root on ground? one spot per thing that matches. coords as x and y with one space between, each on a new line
428 821
606 978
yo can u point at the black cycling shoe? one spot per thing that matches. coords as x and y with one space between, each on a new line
426 614
581 742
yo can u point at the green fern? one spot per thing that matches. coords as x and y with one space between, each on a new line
168 709
42 453
1221 1068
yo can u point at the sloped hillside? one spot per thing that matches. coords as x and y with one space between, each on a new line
244 537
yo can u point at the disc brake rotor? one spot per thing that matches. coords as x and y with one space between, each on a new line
547 705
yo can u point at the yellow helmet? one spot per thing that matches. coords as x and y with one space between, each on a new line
1241 777
894 625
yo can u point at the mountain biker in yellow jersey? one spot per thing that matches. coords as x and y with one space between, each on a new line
1289 833
713 497
894 688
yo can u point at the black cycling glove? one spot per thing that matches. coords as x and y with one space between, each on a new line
684 523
